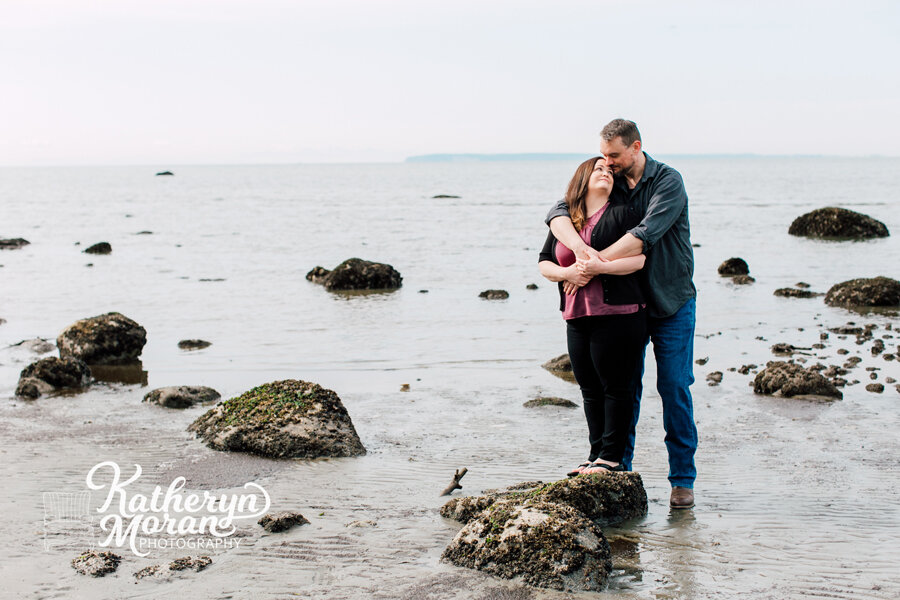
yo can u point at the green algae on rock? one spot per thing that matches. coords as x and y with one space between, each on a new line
547 545
282 419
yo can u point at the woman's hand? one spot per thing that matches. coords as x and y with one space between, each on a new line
593 265
574 279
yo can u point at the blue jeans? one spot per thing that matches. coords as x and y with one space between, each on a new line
673 346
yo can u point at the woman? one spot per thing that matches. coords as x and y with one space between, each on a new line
604 308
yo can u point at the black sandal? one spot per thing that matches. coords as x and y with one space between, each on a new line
615 469
577 470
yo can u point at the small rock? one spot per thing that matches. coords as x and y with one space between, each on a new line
531 286
165 174
853 360
494 294
823 336
889 357
837 223
189 562
801 284
793 293
182 396
742 279
877 347
99 248
890 380
734 266
423 291
445 196
282 521
38 346
843 351
714 378
362 524
873 376
875 387
404 387
745 369
317 274
819 346
834 371
782 348
702 361
96 564
561 366
550 401
151 571
13 244
194 344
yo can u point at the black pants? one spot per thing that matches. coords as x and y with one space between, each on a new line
605 353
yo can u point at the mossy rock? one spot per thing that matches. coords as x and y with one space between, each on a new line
106 339
549 401
790 379
544 544
282 419
734 266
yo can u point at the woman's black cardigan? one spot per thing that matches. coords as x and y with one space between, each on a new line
613 224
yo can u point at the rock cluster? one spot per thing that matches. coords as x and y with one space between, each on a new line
837 223
282 419
547 535
107 339
357 274
791 379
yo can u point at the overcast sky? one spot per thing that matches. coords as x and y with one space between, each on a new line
224 81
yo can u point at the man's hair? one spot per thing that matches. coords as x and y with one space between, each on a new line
627 130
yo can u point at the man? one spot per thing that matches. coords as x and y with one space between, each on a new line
656 191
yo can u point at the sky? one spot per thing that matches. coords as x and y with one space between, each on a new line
273 81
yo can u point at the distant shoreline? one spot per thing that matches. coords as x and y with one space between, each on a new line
544 156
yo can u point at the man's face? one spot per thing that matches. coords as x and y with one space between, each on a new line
619 157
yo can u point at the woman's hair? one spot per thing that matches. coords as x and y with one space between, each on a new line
577 192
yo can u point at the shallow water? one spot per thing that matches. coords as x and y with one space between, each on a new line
795 498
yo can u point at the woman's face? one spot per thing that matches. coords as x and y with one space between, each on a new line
601 178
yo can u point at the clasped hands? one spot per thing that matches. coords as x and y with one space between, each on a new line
588 263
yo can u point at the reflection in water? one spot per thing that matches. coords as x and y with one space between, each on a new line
626 558
130 373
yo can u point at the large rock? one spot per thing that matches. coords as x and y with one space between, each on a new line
877 291
545 544
357 274
606 498
837 223
182 396
793 380
282 419
107 339
13 244
734 266
52 374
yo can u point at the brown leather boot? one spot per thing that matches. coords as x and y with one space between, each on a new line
681 497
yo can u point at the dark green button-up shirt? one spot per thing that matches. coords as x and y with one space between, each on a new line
662 201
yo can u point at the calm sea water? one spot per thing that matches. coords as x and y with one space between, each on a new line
793 498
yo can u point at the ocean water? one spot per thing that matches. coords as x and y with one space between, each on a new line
794 498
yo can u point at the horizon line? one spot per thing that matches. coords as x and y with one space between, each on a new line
443 157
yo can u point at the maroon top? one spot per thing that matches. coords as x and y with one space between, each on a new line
588 300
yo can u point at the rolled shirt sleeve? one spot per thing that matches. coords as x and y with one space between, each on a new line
560 209
668 202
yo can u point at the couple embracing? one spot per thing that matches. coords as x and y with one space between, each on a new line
619 246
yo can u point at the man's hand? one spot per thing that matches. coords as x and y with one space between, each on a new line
593 265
